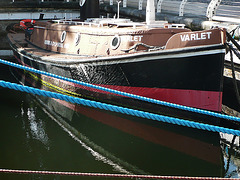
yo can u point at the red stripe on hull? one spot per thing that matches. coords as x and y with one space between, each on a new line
210 100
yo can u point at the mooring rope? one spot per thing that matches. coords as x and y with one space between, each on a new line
110 175
163 103
233 40
118 109
233 74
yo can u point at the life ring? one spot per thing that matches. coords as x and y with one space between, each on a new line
28 21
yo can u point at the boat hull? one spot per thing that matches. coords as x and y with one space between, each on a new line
190 76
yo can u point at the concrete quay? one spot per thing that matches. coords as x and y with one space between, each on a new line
12 12
196 15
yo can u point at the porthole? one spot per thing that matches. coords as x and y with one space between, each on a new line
77 39
63 36
115 42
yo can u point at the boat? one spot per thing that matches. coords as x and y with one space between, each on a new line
154 59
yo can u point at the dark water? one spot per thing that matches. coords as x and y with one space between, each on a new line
38 133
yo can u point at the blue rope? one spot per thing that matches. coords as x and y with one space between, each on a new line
171 105
118 109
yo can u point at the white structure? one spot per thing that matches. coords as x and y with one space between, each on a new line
150 12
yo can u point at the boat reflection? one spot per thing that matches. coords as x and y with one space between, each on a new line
136 145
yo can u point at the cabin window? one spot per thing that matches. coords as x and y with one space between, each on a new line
63 36
77 39
116 42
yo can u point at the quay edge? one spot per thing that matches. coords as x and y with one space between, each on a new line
194 22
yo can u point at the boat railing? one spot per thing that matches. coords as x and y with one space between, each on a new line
220 10
160 24
176 7
101 22
228 11
72 22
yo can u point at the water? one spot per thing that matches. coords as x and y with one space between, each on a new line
38 133
32 140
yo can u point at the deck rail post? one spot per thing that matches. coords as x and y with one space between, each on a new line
212 8
159 6
140 4
124 3
181 7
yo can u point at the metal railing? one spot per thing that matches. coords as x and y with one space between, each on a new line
42 0
221 10
227 11
206 8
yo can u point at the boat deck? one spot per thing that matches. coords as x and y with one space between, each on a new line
21 44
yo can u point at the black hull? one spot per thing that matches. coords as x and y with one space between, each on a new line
191 77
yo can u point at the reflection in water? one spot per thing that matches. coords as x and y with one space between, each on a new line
231 154
232 169
36 128
98 152
139 146
107 142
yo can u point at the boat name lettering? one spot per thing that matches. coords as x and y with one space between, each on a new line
196 36
56 44
132 38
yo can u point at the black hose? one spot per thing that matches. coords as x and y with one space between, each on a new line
233 41
233 75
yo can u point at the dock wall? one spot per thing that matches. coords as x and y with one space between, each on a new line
12 12
195 23
193 16
196 15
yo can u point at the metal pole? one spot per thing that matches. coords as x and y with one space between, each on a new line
140 4
124 3
118 8
212 8
150 12
159 6
181 8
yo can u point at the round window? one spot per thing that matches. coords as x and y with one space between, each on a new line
116 42
63 36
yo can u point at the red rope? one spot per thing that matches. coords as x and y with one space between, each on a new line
109 175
